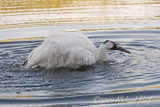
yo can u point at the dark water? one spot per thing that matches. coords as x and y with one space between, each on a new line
127 80
132 78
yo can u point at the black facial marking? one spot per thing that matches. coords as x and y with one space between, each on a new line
105 41
114 46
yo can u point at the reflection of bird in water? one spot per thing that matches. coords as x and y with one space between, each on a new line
66 49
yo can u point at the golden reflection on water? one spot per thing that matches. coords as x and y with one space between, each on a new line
136 89
22 39
16 96
30 13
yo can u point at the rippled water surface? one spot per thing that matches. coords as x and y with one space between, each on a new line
127 80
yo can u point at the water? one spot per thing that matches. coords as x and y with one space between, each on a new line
127 80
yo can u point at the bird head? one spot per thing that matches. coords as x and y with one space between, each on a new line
110 45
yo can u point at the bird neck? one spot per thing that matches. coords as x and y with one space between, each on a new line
103 53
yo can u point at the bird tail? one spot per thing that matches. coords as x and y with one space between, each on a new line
25 63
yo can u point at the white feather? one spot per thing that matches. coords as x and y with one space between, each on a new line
66 49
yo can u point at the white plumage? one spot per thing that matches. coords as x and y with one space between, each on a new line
67 49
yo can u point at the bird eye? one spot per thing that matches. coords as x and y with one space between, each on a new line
114 46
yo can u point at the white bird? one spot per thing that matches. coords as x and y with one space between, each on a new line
69 49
